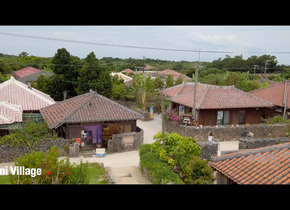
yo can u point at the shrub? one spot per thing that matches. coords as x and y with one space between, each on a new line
29 135
181 154
54 171
157 170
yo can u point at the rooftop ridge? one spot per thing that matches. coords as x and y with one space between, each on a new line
31 90
251 152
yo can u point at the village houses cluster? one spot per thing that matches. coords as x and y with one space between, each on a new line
85 116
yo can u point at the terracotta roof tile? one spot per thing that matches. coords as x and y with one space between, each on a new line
25 71
214 97
89 107
269 166
273 93
17 94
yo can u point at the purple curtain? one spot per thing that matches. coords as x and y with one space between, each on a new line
96 133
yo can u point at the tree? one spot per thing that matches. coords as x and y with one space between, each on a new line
179 80
157 83
66 72
92 76
23 54
169 80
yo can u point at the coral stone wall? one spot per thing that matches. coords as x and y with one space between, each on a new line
227 133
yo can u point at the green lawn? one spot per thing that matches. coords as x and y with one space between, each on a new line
97 174
4 179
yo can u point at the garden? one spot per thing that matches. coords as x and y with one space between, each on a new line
177 163
55 170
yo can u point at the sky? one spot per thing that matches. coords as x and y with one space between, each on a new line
222 40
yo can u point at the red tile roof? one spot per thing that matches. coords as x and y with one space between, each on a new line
10 113
18 93
128 71
25 71
89 107
274 93
214 97
266 165
169 71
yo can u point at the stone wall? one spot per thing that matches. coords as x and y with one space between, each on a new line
8 154
208 149
125 142
252 143
227 133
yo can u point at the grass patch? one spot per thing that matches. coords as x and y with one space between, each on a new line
97 174
4 179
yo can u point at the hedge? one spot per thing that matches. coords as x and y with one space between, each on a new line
156 170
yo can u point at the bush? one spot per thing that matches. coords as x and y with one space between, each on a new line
29 135
181 155
54 171
157 170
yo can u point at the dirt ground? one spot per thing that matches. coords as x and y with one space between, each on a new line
127 175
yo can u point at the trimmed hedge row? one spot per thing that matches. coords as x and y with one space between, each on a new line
156 170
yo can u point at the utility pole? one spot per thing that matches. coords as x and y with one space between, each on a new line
255 71
162 115
195 87
285 100
266 66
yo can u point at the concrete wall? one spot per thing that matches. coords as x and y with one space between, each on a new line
227 133
125 142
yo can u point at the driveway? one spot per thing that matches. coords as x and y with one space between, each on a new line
150 128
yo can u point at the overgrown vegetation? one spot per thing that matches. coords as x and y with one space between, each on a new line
179 162
28 135
53 170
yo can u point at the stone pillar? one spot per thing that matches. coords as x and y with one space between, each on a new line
71 151
110 146
76 149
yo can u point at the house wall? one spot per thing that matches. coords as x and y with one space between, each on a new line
74 130
209 116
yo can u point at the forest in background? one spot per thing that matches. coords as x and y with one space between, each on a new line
74 76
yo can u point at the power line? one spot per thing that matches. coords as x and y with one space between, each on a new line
111 45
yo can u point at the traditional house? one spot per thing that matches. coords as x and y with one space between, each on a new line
266 165
276 94
217 105
86 115
20 103
175 75
29 74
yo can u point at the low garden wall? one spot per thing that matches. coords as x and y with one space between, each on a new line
227 133
125 142
208 149
252 143
8 154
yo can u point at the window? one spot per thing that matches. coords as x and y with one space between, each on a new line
242 119
223 117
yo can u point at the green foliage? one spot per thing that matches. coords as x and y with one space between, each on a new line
158 171
183 152
29 135
278 119
169 81
179 80
54 171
